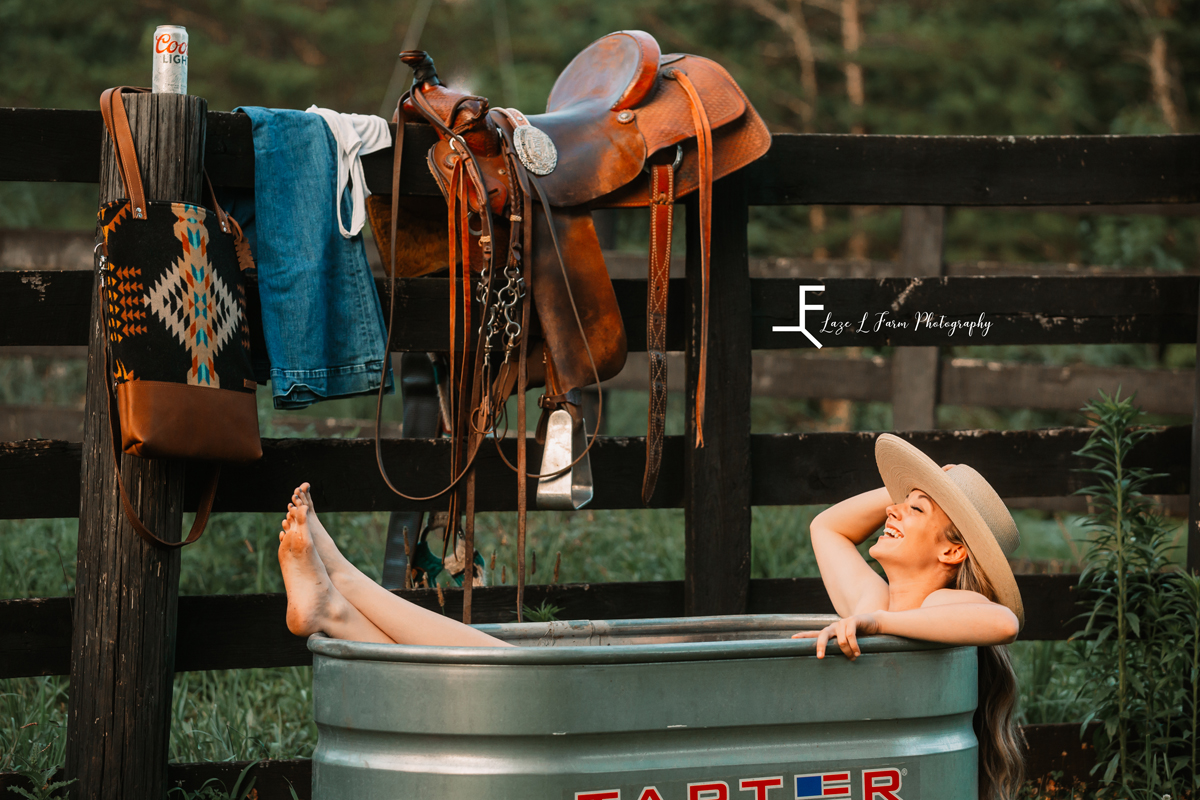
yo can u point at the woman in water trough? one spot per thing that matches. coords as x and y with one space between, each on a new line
946 537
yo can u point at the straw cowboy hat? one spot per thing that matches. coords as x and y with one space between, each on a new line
968 500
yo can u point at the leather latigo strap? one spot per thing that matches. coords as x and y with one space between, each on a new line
662 216
705 148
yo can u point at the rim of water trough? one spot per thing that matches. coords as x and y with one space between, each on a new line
552 643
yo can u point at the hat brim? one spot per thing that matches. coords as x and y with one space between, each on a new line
903 468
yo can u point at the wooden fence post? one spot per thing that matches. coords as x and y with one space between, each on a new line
1193 530
126 591
916 370
717 476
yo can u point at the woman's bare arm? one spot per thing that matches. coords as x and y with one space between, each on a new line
836 532
953 616
949 616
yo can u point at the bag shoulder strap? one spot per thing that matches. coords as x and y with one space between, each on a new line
112 108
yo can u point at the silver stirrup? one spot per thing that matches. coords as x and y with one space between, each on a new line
565 440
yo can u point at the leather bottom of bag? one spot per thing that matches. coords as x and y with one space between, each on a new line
174 420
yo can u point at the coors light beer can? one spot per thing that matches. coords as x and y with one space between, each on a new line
170 59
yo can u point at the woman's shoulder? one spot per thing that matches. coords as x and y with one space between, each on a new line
943 597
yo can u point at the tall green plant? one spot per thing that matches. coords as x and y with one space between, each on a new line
1141 651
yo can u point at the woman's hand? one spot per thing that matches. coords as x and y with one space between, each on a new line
846 632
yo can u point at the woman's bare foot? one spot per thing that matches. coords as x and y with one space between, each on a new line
332 557
313 602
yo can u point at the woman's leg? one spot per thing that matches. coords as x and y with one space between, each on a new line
314 604
403 621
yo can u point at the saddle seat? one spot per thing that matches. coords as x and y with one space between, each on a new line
612 109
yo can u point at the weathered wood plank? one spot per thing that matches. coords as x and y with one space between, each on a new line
51 308
810 269
35 637
827 467
964 381
40 422
57 145
248 630
1193 530
973 382
43 249
976 170
716 468
45 307
50 144
42 477
1055 309
63 352
31 249
66 423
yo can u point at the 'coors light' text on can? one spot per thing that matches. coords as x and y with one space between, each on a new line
170 59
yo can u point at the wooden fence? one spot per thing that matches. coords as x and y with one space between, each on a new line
716 485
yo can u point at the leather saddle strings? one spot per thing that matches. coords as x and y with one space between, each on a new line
662 216
704 147
662 200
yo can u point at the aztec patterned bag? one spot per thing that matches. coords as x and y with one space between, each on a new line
177 339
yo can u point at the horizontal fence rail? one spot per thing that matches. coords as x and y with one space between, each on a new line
961 382
248 630
41 477
52 308
59 145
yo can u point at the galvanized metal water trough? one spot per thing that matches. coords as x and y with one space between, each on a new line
697 708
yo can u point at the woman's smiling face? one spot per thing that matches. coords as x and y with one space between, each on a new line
911 535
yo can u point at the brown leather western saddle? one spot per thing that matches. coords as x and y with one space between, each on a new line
625 126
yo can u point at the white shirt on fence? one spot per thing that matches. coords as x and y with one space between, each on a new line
356 135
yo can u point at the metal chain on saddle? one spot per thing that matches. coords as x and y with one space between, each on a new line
501 327
508 297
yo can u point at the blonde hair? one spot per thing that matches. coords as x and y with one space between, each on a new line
1001 760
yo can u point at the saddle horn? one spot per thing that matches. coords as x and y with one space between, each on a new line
422 66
